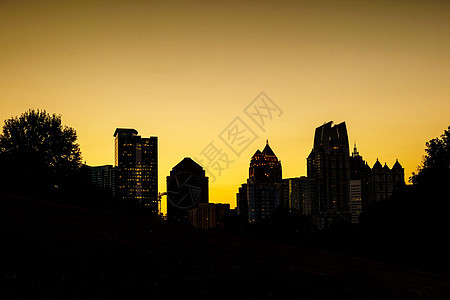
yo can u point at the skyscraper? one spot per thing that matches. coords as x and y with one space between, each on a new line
104 177
357 168
187 187
263 199
242 202
301 195
260 196
328 164
265 166
136 160
332 138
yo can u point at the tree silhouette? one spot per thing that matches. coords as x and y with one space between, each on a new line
413 224
35 148
436 159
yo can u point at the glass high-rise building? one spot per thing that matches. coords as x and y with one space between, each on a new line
328 163
136 161
104 177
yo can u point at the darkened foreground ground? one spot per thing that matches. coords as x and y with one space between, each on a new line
57 251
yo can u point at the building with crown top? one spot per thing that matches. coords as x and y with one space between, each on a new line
265 166
258 199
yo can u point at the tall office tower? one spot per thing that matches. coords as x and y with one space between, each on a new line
357 171
328 164
332 138
265 166
104 177
357 165
136 160
284 196
264 185
297 194
187 187
293 195
263 199
307 197
242 202
355 200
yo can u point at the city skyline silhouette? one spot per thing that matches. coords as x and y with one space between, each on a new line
66 236
224 148
185 73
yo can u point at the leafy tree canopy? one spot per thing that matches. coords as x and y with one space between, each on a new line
38 132
436 159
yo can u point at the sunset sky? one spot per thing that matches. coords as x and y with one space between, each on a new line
185 70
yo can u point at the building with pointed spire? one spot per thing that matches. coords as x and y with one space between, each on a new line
356 172
258 199
265 166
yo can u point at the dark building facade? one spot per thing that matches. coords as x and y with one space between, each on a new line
379 182
298 195
265 166
241 201
263 200
285 199
209 215
104 177
370 185
187 187
258 199
328 164
357 168
136 161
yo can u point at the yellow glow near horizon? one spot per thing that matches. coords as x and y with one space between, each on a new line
183 71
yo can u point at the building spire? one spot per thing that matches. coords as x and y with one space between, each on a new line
267 142
355 151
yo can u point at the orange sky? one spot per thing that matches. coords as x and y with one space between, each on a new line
184 70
